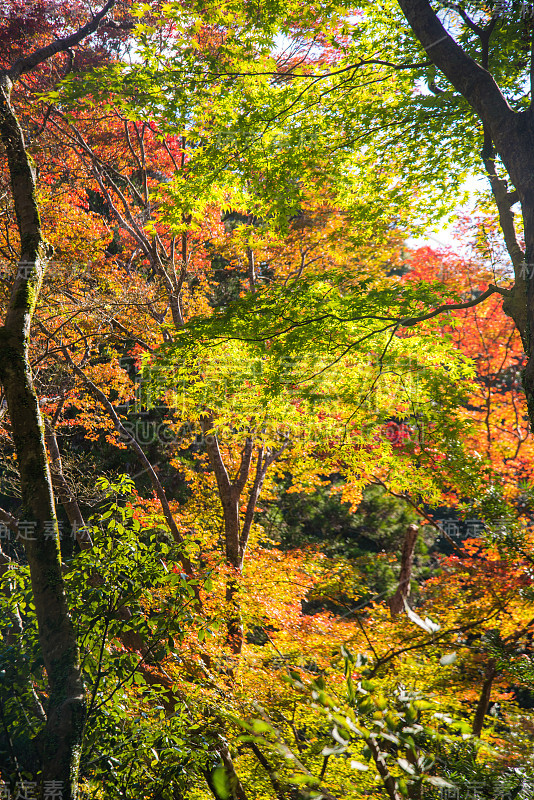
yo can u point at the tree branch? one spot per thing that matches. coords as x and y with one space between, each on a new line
262 465
9 520
504 201
269 769
66 496
259 477
473 81
156 484
244 468
27 63
215 457
408 322
387 778
485 696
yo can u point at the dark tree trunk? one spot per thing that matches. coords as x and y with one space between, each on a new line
484 700
508 134
61 740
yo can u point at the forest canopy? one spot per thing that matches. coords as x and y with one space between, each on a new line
266 499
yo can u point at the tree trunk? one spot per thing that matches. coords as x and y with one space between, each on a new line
396 604
233 784
388 780
61 739
485 695
511 134
236 536
229 494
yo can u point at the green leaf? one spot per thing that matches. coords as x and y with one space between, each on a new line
220 782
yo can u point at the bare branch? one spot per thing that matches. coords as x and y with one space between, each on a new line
9 520
65 493
158 488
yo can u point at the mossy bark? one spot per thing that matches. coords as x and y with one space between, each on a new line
61 740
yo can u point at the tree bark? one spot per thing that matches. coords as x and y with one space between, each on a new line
236 535
484 700
61 739
511 134
396 604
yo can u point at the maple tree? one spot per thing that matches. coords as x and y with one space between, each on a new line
223 276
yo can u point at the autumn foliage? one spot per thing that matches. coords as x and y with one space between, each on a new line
294 506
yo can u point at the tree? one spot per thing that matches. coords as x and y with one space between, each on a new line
486 335
262 110
263 276
59 748
507 129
